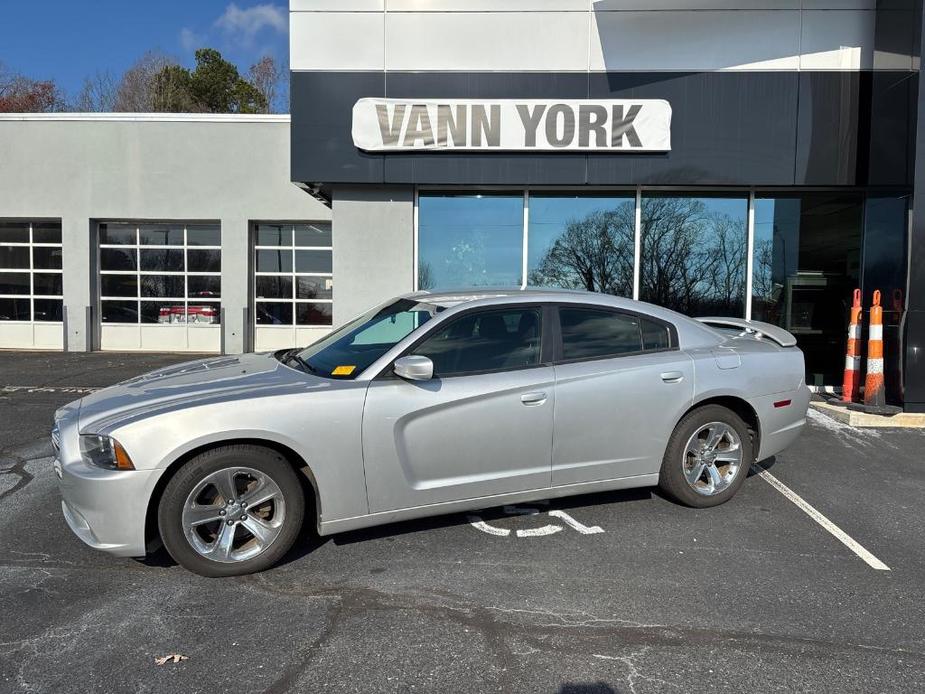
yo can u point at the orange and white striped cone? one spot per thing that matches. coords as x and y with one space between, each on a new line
874 393
851 385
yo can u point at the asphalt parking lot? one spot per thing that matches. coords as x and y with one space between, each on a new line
631 593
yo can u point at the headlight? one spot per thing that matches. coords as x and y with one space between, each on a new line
104 452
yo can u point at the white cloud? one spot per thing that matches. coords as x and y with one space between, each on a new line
190 40
248 22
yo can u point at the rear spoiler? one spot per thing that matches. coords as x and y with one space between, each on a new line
753 327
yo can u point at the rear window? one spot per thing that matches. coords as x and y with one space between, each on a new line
589 333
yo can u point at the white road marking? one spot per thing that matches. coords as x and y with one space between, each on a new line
549 529
828 525
46 389
539 532
572 523
477 523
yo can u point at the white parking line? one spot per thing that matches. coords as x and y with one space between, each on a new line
833 529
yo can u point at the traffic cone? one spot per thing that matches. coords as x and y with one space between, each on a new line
874 394
851 384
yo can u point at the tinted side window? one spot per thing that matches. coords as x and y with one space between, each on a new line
485 341
655 336
589 333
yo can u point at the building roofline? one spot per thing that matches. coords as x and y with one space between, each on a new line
152 117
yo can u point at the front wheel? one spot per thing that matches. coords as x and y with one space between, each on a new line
707 457
232 510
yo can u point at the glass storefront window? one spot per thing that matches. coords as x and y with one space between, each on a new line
807 258
582 242
470 240
694 253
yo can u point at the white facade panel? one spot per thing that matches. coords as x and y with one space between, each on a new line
533 41
839 4
487 5
696 40
575 35
336 40
617 5
838 40
336 5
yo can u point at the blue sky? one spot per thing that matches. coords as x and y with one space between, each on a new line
66 40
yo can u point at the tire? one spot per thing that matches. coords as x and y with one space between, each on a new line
210 534
688 451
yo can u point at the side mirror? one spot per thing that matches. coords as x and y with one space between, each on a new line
414 368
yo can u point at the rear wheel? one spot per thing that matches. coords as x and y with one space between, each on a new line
707 457
232 510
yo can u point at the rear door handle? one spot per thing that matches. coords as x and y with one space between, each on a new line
537 398
672 376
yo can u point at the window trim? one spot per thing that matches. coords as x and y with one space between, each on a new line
547 346
559 353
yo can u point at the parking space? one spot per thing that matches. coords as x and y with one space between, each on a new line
629 592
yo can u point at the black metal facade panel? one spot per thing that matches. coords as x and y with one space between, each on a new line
914 326
321 145
728 128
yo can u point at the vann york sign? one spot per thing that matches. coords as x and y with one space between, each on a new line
514 125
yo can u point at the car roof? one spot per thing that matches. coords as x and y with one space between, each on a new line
691 332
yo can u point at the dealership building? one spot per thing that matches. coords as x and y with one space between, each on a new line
756 159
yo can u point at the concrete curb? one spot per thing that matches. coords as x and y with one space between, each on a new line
903 420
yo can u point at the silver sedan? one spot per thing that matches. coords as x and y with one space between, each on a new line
428 404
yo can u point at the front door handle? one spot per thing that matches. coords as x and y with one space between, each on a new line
537 398
672 376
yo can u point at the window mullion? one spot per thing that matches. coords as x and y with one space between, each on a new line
523 275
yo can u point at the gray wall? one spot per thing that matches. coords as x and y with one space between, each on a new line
83 168
373 247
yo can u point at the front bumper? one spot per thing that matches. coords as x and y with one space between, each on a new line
107 509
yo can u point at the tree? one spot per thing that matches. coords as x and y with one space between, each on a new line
217 87
135 92
595 254
97 95
265 75
172 91
213 87
21 94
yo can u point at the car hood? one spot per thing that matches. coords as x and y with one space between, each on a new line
194 383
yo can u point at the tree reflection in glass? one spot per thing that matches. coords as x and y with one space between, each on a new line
694 254
582 243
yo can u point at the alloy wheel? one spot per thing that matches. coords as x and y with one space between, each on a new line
712 458
233 514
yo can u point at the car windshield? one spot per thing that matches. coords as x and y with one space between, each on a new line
347 351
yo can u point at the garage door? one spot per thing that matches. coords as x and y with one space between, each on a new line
293 284
160 286
31 302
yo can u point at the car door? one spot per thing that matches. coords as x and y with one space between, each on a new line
621 385
481 426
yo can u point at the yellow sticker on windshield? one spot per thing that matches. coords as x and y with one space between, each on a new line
343 370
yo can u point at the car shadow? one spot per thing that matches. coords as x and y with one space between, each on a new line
765 464
309 541
489 514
